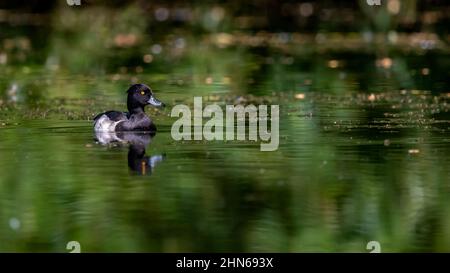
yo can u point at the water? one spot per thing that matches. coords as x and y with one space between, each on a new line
348 170
363 155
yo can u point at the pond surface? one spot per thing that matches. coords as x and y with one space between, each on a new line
363 155
350 169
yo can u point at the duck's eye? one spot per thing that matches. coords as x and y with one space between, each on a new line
142 93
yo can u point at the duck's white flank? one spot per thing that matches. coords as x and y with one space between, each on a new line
104 124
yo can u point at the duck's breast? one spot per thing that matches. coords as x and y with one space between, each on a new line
137 122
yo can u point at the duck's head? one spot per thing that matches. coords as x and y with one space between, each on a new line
140 95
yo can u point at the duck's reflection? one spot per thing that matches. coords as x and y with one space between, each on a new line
138 142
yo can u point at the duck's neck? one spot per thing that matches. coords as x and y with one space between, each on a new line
134 107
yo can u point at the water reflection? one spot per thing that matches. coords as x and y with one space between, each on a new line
137 143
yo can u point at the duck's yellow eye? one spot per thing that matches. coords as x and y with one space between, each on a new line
142 93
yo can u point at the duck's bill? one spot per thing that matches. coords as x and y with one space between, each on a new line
155 102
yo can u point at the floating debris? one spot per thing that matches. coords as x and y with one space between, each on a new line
156 49
125 40
300 96
148 58
392 36
161 14
180 43
385 63
333 63
12 92
223 39
139 69
306 9
413 151
387 142
226 80
14 223
3 58
371 97
116 77
209 80
393 6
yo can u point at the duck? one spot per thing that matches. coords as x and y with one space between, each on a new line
138 96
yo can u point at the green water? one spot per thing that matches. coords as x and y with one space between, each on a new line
347 171
363 155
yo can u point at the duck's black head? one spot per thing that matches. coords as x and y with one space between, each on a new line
140 95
